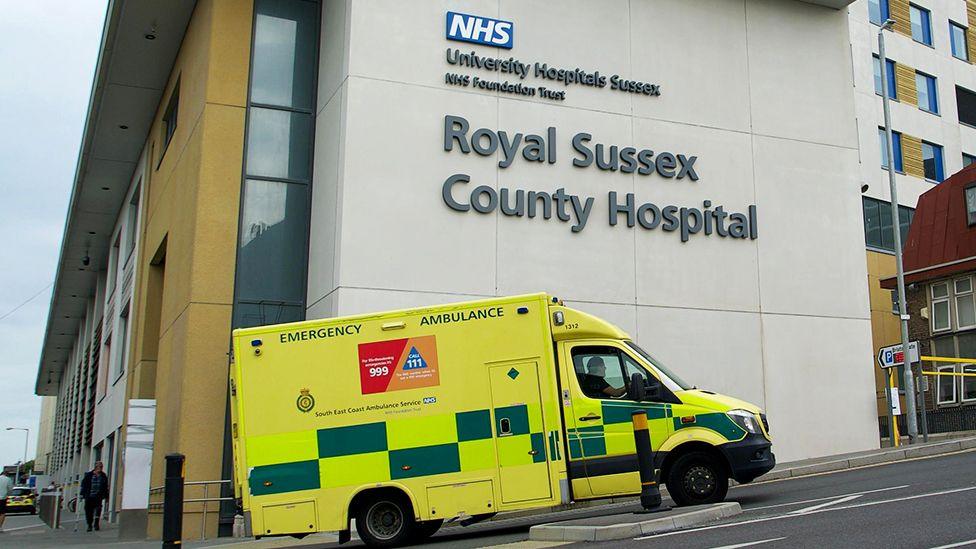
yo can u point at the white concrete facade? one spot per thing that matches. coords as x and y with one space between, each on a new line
759 90
91 406
906 117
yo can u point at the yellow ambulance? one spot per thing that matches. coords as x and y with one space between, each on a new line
409 419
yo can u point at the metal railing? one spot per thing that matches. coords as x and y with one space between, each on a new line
941 420
156 500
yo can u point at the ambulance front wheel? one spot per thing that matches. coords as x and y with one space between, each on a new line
697 478
386 520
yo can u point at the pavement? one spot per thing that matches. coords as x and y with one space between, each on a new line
633 522
940 475
917 503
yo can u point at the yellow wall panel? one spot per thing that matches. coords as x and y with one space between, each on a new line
971 31
911 153
905 84
899 11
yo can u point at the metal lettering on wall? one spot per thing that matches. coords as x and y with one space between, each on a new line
575 209
498 33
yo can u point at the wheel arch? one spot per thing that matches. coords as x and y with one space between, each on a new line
365 493
688 447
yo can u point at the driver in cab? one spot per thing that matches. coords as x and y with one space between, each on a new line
594 382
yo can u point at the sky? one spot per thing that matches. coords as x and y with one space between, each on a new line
48 50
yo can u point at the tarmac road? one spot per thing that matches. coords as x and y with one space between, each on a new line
919 503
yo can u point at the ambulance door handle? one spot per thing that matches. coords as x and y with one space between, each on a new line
589 417
533 452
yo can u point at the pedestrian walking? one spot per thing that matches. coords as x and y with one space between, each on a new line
6 486
94 490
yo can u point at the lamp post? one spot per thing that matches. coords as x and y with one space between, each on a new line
26 442
896 228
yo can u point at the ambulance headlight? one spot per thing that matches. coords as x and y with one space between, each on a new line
745 419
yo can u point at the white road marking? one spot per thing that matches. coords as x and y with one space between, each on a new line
826 504
959 544
749 543
826 510
801 502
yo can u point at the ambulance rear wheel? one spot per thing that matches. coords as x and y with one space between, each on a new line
386 521
697 478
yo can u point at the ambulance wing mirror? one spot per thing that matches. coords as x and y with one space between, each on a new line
637 391
652 391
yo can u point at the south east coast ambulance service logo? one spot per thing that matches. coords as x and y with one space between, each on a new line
305 401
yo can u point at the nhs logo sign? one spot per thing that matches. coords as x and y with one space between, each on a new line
480 30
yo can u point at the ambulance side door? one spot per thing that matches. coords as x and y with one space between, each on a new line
599 429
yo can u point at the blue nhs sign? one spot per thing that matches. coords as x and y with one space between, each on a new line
480 30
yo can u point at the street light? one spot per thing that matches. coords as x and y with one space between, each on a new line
896 228
26 441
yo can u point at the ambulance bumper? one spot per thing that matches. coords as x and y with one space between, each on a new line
749 458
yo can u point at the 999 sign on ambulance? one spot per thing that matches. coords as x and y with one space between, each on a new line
405 420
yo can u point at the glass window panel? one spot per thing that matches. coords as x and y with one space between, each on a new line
872 222
927 93
957 37
905 216
890 72
598 369
963 285
969 383
278 144
884 148
878 11
971 205
271 257
965 312
932 160
887 235
895 147
921 27
944 346
967 159
940 290
248 315
966 106
892 87
967 346
947 386
940 315
284 50
877 76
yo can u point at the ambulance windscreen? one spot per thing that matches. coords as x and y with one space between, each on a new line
669 378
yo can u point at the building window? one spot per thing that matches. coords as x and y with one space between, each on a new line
132 217
969 383
890 73
921 24
957 37
272 254
170 117
895 147
966 105
878 11
967 159
940 307
928 94
946 386
965 307
878 224
123 345
932 160
113 266
971 205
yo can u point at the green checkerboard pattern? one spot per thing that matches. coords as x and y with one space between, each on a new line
400 449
